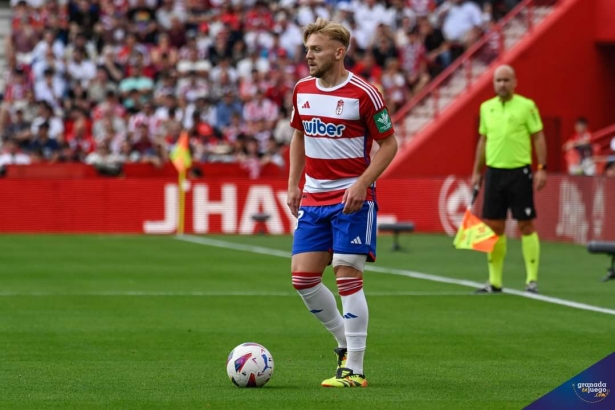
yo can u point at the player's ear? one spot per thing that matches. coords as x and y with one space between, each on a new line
340 52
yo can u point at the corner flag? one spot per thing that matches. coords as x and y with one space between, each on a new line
182 160
180 155
473 233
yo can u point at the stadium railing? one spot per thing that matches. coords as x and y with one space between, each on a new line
466 69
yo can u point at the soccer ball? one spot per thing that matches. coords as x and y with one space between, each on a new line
249 365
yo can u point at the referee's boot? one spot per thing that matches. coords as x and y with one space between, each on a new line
489 288
532 287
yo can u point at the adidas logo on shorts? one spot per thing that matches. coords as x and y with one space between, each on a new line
356 241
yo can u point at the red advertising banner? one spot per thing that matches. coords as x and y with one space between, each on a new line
576 209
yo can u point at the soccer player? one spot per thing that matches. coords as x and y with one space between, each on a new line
336 117
509 123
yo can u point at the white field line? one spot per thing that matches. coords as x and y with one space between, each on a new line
216 294
410 274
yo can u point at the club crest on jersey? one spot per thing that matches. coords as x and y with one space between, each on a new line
340 107
317 127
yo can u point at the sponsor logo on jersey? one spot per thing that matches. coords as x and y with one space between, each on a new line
317 127
383 121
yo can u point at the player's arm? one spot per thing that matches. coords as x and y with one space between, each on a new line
479 161
540 146
297 164
355 195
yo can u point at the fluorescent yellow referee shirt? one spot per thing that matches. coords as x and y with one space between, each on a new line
508 128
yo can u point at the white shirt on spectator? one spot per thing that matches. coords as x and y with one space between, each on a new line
217 71
246 65
17 159
163 17
83 72
291 38
39 67
56 126
460 19
40 51
185 66
367 20
305 15
52 94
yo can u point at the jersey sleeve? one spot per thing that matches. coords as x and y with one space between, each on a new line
376 115
482 128
295 119
534 122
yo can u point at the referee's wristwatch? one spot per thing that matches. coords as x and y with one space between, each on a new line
542 167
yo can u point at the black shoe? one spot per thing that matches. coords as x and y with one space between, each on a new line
532 287
489 288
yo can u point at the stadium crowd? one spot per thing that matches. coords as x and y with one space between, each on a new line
115 81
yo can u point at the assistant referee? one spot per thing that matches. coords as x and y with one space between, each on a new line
508 125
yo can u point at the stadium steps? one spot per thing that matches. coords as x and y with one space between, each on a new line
425 111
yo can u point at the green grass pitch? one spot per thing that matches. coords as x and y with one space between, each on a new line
145 322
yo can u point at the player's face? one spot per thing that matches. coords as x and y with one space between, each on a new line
320 54
504 83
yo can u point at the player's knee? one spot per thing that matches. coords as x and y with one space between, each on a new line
306 280
351 260
526 228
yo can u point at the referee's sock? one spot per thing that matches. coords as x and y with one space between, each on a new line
496 262
530 246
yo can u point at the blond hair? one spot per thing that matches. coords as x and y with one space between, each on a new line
331 29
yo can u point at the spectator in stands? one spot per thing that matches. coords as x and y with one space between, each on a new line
50 89
437 49
249 158
462 24
384 47
413 62
394 85
272 154
104 160
579 151
123 54
81 69
368 15
11 154
225 109
48 42
18 128
48 149
47 115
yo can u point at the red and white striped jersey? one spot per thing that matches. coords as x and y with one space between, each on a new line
339 126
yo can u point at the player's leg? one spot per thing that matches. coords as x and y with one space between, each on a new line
495 208
312 246
354 243
524 211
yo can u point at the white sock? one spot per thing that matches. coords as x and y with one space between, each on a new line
321 302
356 317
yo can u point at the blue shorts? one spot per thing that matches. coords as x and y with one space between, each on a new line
327 229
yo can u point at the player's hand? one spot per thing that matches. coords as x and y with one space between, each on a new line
540 179
354 198
477 178
293 200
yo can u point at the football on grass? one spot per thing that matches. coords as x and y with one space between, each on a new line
249 365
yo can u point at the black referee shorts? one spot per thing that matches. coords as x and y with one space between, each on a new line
509 189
